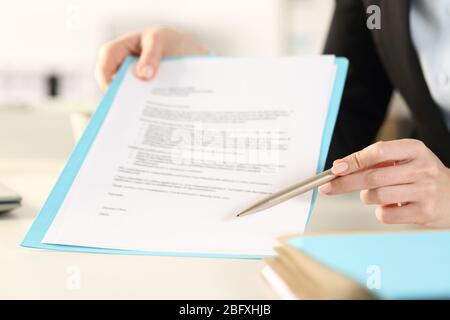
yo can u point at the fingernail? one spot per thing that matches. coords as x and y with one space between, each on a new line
326 188
147 72
340 167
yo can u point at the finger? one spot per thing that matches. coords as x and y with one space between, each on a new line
108 63
406 214
404 193
344 184
148 64
105 68
112 54
380 152
371 178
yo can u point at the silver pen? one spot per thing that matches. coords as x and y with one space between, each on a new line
290 192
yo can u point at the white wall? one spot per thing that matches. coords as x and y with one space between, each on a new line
63 36
309 25
58 30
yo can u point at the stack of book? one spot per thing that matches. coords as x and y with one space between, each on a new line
404 265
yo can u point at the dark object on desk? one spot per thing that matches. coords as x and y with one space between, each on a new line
53 85
9 200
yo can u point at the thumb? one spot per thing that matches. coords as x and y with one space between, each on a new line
149 60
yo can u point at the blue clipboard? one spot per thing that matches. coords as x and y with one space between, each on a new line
42 223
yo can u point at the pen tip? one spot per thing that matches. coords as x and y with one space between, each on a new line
247 212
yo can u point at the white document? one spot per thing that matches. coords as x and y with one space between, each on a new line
178 157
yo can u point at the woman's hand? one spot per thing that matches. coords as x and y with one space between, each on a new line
404 178
151 45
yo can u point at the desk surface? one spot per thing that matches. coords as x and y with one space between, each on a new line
34 149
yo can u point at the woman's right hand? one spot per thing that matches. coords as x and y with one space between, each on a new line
151 45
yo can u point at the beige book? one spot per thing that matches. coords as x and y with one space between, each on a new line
303 277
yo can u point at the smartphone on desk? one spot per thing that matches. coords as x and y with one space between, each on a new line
9 200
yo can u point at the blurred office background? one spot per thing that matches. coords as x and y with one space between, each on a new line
49 47
48 50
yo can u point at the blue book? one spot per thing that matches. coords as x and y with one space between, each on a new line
406 265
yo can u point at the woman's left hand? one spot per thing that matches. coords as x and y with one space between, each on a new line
404 178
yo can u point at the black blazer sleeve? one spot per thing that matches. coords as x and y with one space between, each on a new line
367 92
